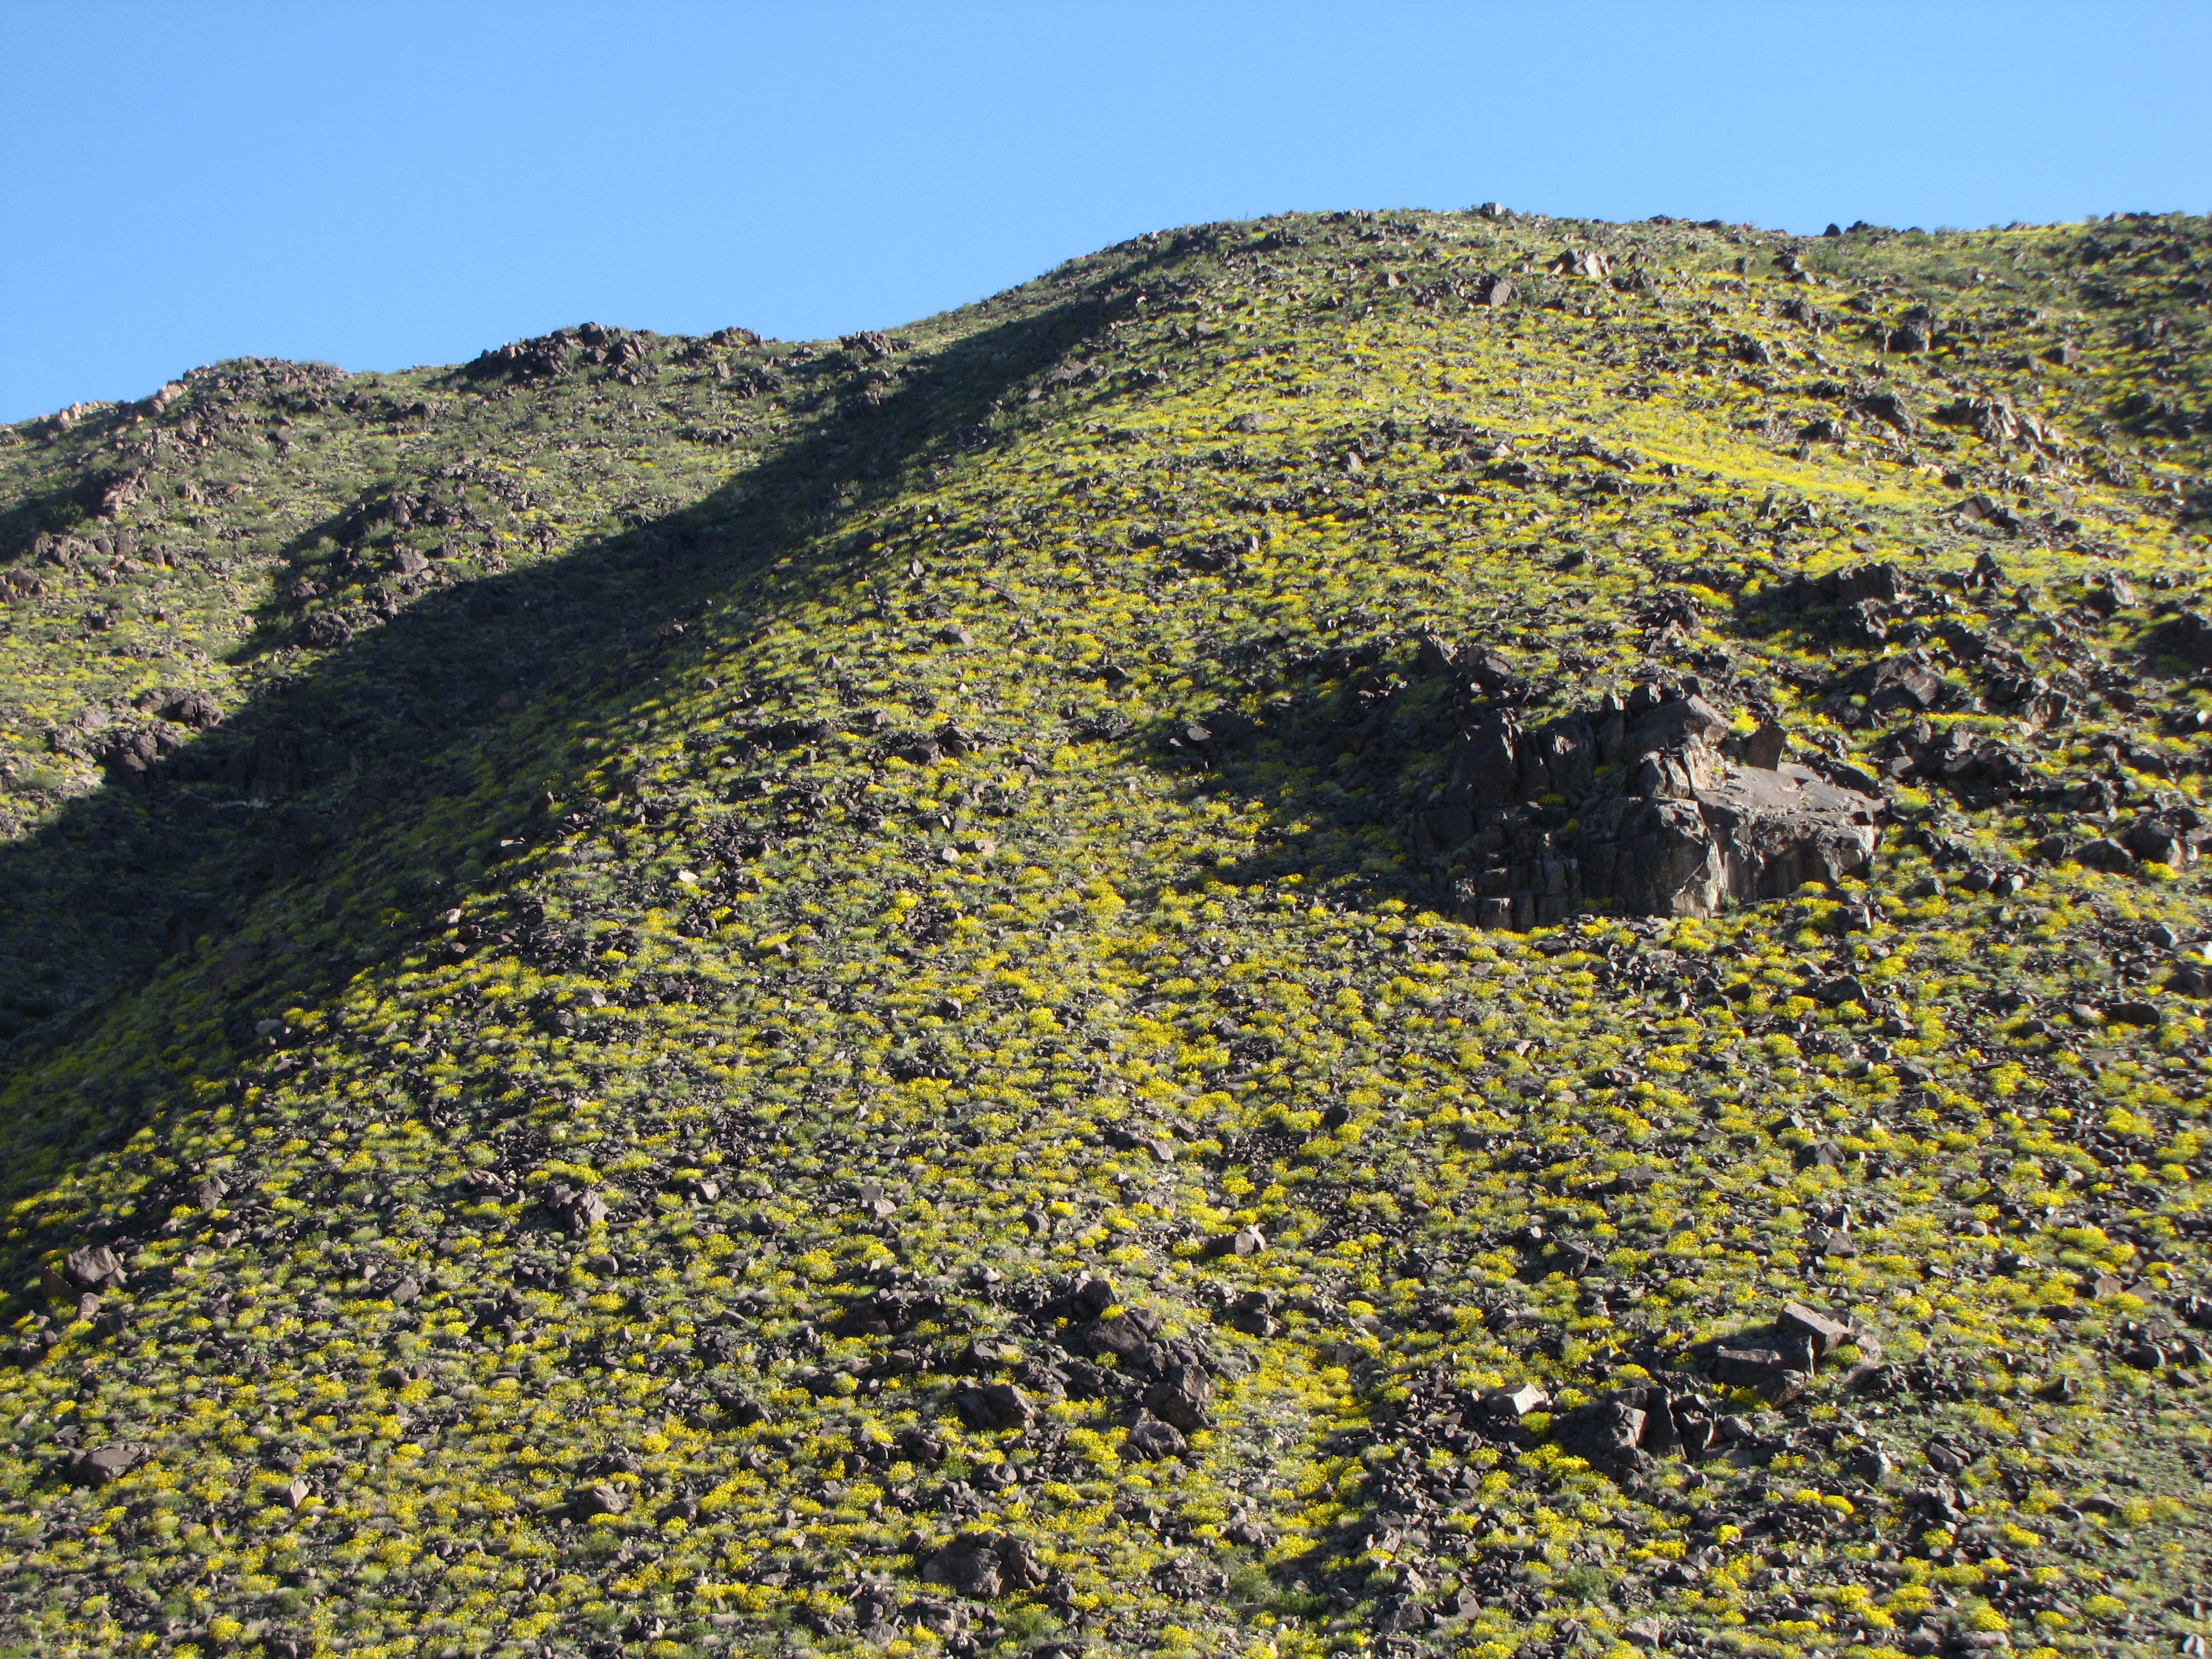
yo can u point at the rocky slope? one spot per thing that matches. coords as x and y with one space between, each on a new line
1418 932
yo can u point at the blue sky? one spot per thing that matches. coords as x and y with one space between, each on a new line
384 185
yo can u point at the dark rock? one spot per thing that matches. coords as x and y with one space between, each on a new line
1148 1438
1748 1367
107 1464
1120 1336
185 925
588 1501
273 766
1826 1334
92 1267
1179 1395
1606 1435
2188 636
1896 683
2154 842
1889 408
1709 832
1789 1387
2104 855
1764 748
1513 1404
1947 1456
193 708
995 1406
1869 1464
2191 977
1678 829
581 1211
1688 719
982 1564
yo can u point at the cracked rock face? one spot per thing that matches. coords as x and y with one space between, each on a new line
1741 834
1638 806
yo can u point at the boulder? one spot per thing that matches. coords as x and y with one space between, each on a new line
1827 1334
995 1406
1150 1437
91 1267
1606 1435
1514 1404
107 1464
1179 1395
593 1501
982 1564
2188 636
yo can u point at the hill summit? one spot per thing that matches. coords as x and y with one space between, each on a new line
1453 933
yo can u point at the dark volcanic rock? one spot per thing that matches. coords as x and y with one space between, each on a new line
1674 827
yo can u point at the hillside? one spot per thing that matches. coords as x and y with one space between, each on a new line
1413 932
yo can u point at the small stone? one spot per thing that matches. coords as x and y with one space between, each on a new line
1249 1241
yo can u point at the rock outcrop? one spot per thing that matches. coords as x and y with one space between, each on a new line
1634 803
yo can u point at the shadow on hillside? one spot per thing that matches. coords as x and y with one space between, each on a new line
330 821
390 772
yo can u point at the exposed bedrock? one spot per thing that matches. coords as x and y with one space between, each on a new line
1635 803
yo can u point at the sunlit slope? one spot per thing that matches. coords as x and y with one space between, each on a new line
793 997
